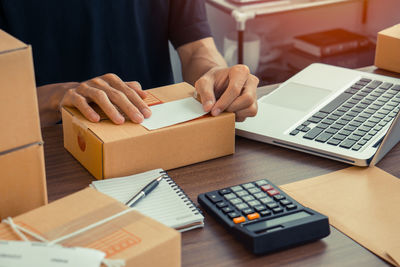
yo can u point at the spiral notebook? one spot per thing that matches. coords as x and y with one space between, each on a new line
167 203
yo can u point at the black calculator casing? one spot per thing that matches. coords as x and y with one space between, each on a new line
262 239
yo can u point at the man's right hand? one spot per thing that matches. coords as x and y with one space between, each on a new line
106 91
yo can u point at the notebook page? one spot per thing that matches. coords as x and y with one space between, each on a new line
166 203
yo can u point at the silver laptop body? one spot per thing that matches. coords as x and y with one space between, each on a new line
325 98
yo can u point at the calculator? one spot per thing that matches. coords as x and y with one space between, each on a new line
263 218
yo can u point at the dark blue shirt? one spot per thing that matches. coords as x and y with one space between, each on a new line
75 40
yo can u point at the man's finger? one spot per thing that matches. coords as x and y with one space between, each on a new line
247 97
80 103
136 100
100 98
137 88
118 96
238 76
121 100
73 99
205 88
251 111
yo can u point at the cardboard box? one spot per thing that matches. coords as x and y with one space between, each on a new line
108 150
388 49
19 113
137 239
23 180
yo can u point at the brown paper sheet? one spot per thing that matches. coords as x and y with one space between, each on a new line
363 203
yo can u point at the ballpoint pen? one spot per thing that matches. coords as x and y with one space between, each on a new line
144 191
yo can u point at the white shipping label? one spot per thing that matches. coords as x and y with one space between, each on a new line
174 112
22 254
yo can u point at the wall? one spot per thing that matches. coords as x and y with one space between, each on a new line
278 29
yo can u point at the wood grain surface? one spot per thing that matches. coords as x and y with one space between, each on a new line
213 245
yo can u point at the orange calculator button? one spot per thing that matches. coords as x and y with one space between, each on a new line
272 192
253 216
266 187
239 219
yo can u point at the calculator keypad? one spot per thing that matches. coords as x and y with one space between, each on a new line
264 218
250 201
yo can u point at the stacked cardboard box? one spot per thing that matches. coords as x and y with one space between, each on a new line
22 179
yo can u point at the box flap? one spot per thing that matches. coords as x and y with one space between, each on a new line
9 43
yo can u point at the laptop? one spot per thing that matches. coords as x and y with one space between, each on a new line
333 112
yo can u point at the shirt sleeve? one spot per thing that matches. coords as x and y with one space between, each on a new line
187 22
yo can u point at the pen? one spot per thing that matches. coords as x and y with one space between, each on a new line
144 192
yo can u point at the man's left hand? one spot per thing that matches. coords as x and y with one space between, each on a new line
232 89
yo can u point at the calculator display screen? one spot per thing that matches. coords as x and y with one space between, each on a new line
277 221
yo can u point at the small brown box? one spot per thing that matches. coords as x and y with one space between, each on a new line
132 237
23 181
108 150
388 49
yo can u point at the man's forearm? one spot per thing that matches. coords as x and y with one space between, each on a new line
49 98
199 57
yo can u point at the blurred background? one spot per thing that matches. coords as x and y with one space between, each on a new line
268 37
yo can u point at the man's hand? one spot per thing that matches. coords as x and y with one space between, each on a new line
220 88
108 91
232 89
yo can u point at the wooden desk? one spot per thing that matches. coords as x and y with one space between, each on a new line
213 245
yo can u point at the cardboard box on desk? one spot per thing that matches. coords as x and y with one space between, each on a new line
388 49
22 178
19 113
137 239
108 150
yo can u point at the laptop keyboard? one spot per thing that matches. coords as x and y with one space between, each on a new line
355 116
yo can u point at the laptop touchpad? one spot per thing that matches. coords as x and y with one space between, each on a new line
296 96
